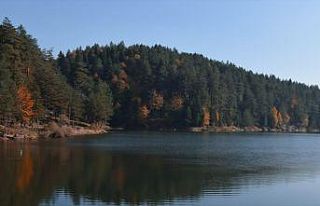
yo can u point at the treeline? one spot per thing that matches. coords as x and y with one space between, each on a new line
32 89
141 86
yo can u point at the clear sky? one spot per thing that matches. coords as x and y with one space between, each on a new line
266 36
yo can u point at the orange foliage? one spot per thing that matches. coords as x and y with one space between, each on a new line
157 100
276 117
143 112
176 103
25 103
206 118
274 113
26 171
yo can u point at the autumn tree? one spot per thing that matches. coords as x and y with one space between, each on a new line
25 103
280 119
176 103
120 80
193 82
276 117
157 100
143 112
67 85
206 118
274 113
218 117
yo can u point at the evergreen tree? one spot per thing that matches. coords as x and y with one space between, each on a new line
122 84
99 103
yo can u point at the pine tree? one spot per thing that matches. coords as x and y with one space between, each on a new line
99 105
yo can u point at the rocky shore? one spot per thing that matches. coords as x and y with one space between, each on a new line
51 130
55 130
227 129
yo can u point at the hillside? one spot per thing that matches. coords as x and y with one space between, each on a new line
143 87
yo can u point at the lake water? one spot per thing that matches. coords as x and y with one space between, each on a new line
125 168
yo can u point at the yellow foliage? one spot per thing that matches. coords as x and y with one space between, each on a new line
206 118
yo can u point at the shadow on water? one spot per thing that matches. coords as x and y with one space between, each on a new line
33 173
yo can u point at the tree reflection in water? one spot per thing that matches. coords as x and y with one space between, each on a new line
25 171
33 172
30 174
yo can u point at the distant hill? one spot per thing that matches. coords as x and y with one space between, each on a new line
143 87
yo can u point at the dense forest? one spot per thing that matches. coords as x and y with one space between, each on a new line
143 87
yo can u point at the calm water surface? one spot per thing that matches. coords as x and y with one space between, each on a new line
125 168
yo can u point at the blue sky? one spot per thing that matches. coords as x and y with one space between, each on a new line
272 37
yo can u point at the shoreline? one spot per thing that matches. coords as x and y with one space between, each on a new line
224 129
48 131
53 131
248 129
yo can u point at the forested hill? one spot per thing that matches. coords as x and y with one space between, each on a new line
140 86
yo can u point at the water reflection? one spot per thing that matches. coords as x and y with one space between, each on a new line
25 171
34 173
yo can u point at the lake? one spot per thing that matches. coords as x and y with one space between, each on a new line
163 168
